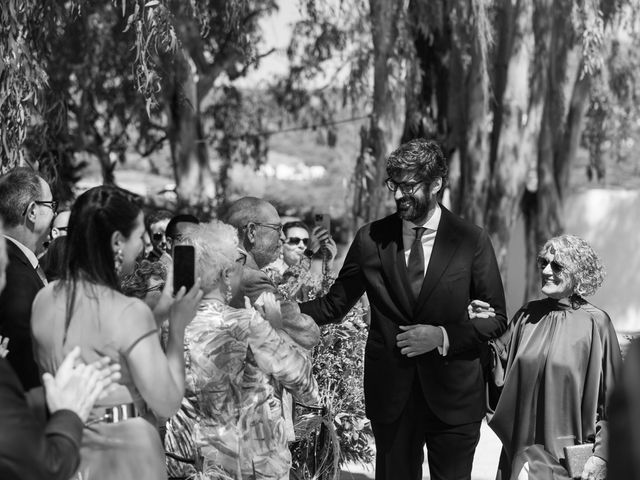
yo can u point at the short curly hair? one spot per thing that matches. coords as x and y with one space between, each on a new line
421 158
580 261
137 283
216 248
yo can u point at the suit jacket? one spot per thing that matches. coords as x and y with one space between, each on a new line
462 267
302 329
29 449
23 283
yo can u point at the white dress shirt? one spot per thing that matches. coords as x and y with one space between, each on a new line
428 239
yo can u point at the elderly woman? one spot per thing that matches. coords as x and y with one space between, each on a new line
238 366
563 360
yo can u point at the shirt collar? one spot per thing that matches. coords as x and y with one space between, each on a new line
33 260
431 223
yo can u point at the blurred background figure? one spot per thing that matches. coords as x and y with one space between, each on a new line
177 226
146 282
156 225
563 360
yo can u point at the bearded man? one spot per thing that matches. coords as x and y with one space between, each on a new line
420 268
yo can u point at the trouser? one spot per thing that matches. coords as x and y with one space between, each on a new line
400 444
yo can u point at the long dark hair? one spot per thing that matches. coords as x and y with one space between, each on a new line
88 256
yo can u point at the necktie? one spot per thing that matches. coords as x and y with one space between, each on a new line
415 267
41 274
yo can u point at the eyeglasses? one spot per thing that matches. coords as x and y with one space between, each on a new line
158 287
296 241
275 226
52 204
405 188
556 268
242 258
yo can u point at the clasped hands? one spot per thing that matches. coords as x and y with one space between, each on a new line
418 339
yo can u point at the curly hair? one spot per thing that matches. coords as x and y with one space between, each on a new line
421 158
137 283
580 261
216 248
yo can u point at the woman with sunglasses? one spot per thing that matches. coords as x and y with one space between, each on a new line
231 424
562 361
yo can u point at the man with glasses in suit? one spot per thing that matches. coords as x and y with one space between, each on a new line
28 207
421 267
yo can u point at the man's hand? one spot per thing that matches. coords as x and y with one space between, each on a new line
418 339
595 468
77 386
480 309
269 308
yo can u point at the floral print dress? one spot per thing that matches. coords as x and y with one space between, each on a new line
237 367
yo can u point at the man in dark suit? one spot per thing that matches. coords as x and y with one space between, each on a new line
420 268
27 206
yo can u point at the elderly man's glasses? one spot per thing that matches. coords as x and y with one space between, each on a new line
556 268
275 226
52 204
405 188
297 240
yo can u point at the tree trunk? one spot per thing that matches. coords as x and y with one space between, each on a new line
385 128
195 185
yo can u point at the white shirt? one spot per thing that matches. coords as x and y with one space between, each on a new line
427 240
33 260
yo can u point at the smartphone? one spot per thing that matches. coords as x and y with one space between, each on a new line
183 267
323 220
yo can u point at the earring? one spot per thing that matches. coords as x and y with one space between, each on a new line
118 258
227 293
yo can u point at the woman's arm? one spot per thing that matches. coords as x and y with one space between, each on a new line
159 377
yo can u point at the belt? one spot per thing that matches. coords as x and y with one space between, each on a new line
115 414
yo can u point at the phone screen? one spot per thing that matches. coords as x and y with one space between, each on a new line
183 267
323 220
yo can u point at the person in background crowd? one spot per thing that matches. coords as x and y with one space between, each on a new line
177 227
52 257
28 207
420 267
33 450
260 233
147 282
156 225
86 308
563 362
60 224
237 365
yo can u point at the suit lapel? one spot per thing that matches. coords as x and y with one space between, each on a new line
393 265
444 247
15 254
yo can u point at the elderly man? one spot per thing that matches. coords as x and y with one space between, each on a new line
420 268
28 207
260 232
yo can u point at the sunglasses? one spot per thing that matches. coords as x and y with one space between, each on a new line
157 236
297 240
556 268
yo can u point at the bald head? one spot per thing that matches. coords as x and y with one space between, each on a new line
259 228
251 209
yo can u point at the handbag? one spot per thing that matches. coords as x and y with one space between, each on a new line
576 456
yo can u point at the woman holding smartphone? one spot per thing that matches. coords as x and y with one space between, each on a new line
86 308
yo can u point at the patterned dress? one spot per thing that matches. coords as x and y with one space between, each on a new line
237 368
